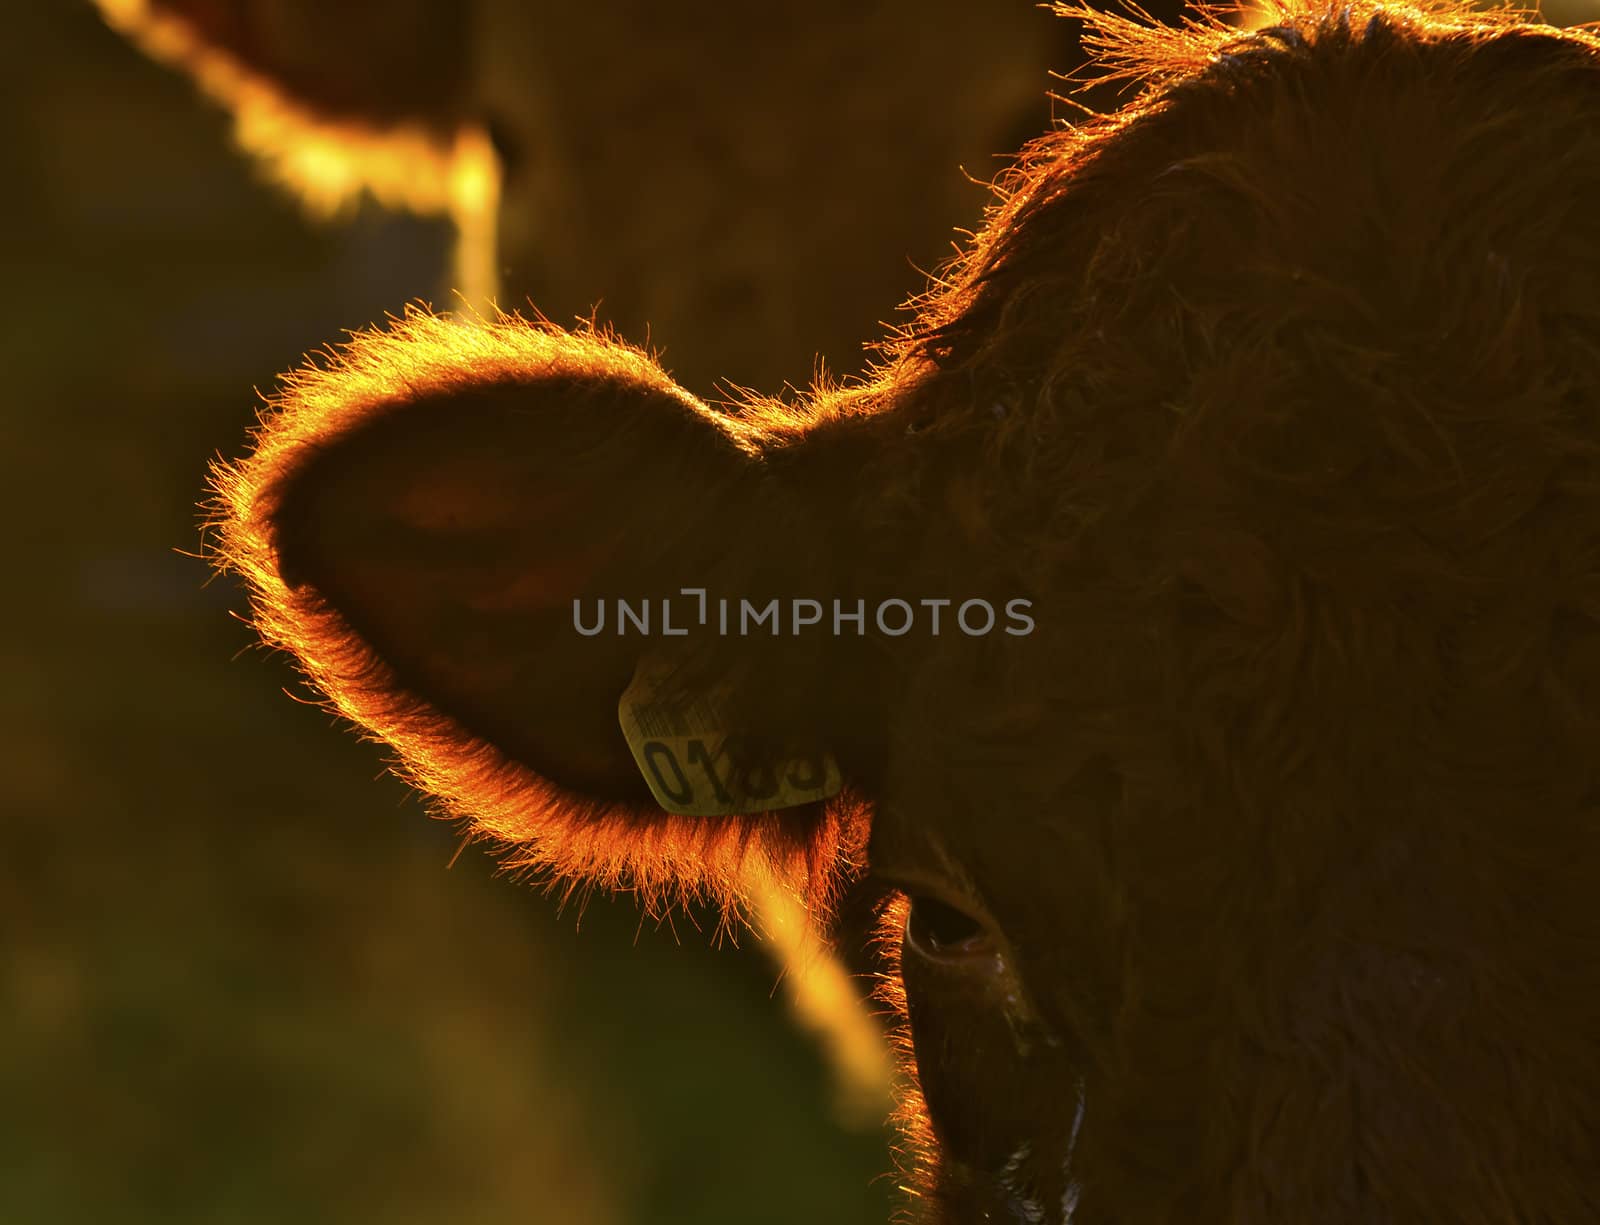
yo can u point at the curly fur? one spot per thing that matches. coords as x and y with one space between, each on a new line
1278 390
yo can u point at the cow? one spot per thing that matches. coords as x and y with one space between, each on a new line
1190 620
675 167
669 164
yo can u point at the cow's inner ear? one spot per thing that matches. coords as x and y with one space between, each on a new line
422 551
454 545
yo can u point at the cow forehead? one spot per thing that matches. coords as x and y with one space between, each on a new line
1287 429
1241 419
1310 207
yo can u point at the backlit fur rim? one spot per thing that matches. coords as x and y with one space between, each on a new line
1130 46
568 840
914 1148
325 163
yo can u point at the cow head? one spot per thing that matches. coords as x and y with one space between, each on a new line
1243 850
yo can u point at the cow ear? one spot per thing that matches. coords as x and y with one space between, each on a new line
333 99
434 523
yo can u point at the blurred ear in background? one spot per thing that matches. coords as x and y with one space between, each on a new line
337 102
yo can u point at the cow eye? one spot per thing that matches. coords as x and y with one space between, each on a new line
938 931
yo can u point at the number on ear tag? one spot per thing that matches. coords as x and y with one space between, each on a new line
696 767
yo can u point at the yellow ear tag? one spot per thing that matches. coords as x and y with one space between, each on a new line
695 766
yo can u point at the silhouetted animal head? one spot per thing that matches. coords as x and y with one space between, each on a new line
1244 854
